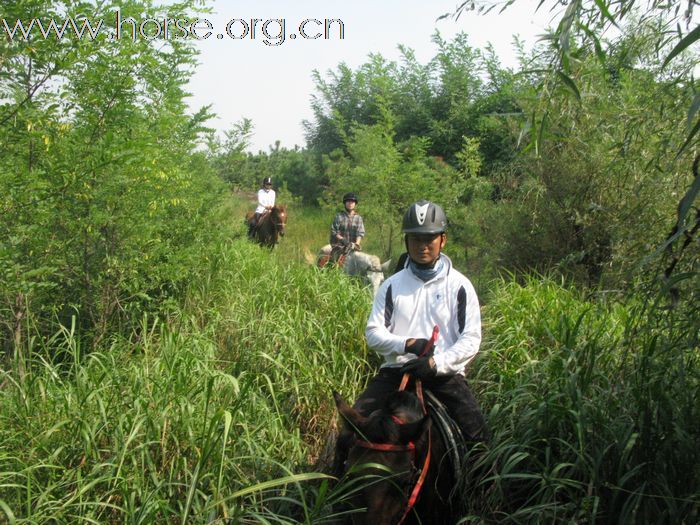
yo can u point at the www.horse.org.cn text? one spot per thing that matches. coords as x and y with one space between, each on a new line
270 31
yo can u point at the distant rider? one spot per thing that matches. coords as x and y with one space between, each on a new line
347 229
266 201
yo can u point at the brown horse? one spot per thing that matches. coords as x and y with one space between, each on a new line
408 472
271 226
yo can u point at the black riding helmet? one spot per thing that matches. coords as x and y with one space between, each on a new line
267 180
424 217
350 196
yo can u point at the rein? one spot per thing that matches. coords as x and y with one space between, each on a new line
426 464
410 447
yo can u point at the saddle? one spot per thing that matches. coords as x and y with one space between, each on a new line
325 259
250 218
451 435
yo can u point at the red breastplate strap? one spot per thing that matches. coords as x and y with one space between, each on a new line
387 447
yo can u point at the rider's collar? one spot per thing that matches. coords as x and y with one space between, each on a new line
426 272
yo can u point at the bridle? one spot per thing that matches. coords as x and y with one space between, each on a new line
279 226
410 447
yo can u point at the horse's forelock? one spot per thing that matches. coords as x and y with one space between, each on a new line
381 426
406 403
407 407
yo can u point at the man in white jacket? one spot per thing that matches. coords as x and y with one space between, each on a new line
427 292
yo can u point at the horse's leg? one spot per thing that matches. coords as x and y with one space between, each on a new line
252 225
274 236
260 234
265 233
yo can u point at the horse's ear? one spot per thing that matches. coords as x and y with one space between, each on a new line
386 265
349 414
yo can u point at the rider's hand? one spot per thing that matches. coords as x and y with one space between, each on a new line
416 346
421 368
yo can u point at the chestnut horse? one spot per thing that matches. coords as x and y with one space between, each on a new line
400 456
271 226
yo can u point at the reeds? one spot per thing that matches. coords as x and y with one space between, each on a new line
216 411
213 413
593 409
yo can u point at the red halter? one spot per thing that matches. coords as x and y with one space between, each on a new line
388 447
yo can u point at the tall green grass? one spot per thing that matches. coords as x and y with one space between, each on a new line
594 411
215 411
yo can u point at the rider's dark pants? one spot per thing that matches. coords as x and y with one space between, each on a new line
253 223
452 391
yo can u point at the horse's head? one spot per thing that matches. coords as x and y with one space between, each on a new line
278 215
389 447
367 266
376 274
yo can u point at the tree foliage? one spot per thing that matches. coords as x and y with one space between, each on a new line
669 39
105 195
459 92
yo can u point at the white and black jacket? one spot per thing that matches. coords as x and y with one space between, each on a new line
406 307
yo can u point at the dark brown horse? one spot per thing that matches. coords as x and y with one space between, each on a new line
408 474
271 226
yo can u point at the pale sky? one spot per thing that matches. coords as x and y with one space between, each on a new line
272 85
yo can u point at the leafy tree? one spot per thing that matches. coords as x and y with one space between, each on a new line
103 205
228 156
461 91
579 34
